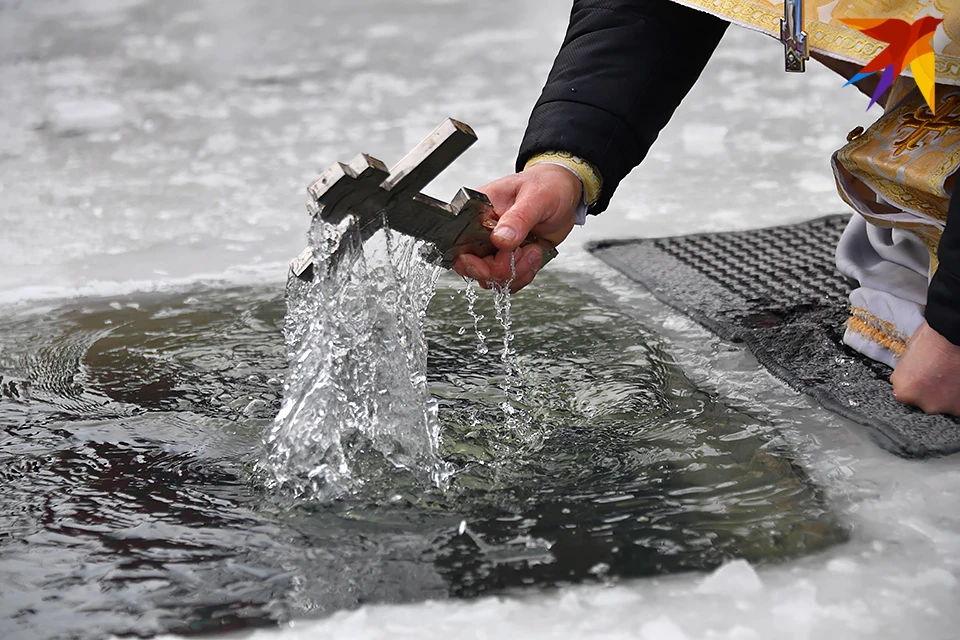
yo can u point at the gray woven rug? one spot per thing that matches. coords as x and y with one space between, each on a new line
777 290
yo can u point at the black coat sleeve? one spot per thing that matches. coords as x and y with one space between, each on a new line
943 295
622 70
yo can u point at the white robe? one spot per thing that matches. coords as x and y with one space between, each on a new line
891 266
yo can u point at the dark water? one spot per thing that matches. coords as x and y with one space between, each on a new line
131 428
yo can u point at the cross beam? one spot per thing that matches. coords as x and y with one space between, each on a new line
365 189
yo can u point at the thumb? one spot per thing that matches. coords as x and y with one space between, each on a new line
517 221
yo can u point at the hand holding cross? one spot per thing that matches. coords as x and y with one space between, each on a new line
365 189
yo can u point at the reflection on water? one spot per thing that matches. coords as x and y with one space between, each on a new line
131 427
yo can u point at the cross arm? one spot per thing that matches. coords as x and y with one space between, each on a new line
365 189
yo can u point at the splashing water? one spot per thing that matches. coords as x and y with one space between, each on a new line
512 385
356 395
470 293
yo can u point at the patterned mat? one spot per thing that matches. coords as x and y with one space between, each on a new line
778 291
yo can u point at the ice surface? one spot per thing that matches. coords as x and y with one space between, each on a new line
79 116
703 139
180 138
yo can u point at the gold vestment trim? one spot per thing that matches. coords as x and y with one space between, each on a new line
901 171
826 34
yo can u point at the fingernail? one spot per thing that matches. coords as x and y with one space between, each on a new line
506 234
472 272
534 257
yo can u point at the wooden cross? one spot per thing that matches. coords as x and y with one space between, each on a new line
923 122
796 49
365 189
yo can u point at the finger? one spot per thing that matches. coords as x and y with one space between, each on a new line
503 261
520 283
526 261
502 192
506 185
501 270
475 267
532 260
517 221
527 267
460 267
